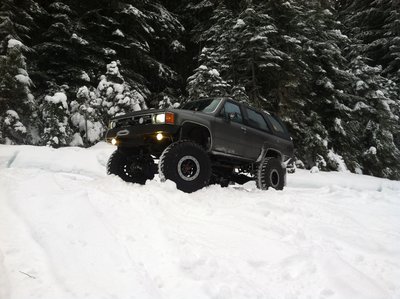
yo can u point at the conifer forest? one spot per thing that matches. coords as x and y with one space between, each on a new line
330 69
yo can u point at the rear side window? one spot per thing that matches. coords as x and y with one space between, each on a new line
277 126
256 120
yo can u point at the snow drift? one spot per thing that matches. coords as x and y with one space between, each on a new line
69 231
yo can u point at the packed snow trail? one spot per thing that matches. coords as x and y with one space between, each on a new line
69 231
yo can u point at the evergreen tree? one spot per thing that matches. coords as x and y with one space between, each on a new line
55 117
376 27
392 28
117 97
16 99
372 121
63 49
18 21
373 27
86 116
17 104
206 83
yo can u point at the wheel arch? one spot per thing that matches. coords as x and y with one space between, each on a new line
196 132
270 152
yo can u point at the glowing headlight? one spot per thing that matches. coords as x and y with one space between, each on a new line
111 124
159 136
160 118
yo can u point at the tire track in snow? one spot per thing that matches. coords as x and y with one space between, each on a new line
12 159
135 223
27 230
35 260
93 195
62 209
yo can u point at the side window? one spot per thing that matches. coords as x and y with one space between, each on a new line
276 125
233 110
256 120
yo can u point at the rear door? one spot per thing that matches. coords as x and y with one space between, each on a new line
258 133
230 134
283 140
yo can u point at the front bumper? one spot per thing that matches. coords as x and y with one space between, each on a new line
144 135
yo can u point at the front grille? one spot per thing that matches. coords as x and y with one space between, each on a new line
138 120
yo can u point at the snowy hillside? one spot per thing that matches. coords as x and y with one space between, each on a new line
69 231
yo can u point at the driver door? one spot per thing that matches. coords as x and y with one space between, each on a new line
230 133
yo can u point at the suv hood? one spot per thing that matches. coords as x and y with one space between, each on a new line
141 112
157 111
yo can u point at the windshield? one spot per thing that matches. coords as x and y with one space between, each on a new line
207 106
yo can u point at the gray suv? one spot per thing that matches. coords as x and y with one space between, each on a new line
208 141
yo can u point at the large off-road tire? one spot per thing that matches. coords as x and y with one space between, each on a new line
187 164
270 174
131 168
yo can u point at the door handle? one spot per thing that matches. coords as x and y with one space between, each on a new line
243 129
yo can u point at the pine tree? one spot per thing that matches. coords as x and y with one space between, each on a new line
392 32
206 82
373 122
117 97
86 116
376 26
18 21
143 35
16 99
373 27
55 117
17 104
61 47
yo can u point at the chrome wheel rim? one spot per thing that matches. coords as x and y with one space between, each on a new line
188 168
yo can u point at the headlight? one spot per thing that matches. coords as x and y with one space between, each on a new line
111 124
160 119
164 118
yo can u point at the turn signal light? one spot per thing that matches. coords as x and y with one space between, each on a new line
169 118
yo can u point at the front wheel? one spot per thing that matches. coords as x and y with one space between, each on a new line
270 174
187 164
131 168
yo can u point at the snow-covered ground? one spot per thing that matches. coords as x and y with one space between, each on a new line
69 231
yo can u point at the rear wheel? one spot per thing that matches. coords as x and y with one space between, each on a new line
270 174
131 168
187 164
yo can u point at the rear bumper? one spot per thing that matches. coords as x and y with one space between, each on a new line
145 135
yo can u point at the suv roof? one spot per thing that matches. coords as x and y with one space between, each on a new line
237 102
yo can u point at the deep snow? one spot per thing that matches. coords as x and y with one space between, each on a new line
69 231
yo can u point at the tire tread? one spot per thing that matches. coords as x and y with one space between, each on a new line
261 179
175 147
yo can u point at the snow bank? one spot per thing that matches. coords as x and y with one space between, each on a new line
66 160
69 231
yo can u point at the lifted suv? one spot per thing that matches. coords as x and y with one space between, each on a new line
209 141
